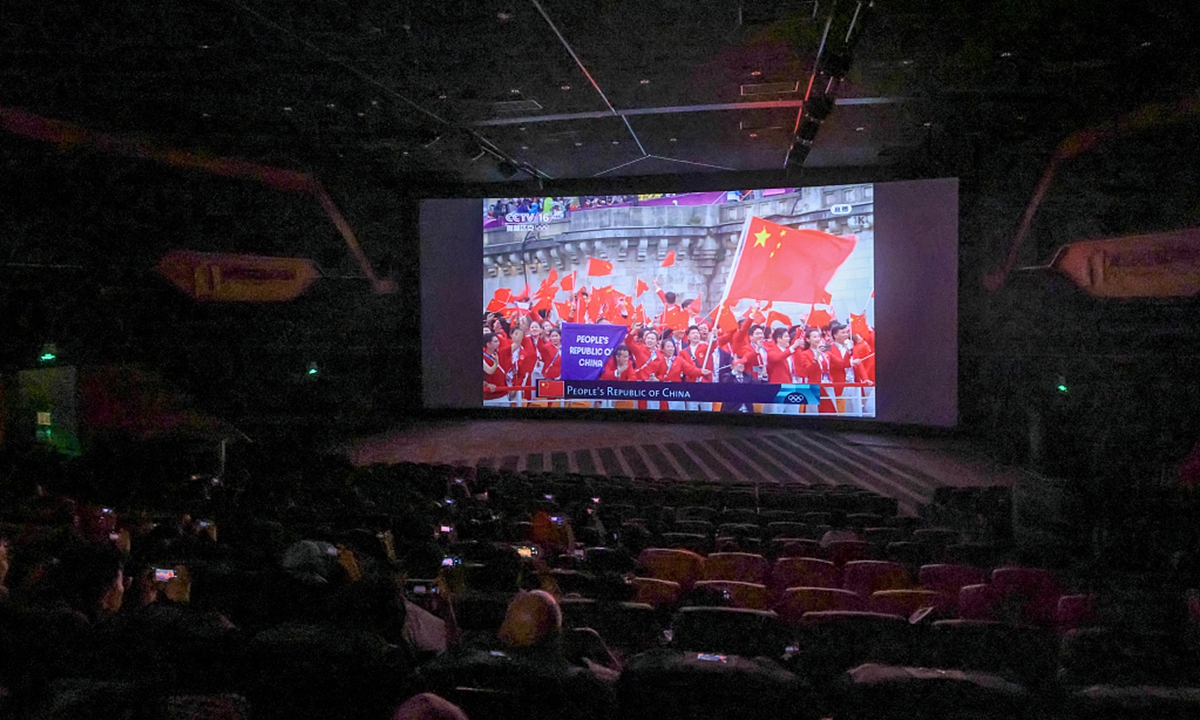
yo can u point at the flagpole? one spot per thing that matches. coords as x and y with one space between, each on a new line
725 291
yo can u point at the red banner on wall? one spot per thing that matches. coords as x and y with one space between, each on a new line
224 277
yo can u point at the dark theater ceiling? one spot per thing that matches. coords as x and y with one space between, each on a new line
593 88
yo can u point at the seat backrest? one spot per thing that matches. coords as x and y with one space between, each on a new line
949 578
785 528
831 642
1021 654
977 602
1036 590
656 592
798 601
751 596
1075 611
798 547
680 566
743 567
906 602
844 551
791 572
867 576
731 631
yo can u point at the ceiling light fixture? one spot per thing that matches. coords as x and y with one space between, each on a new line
564 88
755 73
515 91
644 81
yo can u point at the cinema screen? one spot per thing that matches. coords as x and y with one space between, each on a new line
829 301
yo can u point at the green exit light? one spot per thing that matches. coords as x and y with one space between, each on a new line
1062 388
49 353
47 357
312 369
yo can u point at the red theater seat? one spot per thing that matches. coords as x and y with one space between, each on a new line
800 600
656 593
804 572
742 567
867 576
844 551
1034 590
906 602
680 566
748 596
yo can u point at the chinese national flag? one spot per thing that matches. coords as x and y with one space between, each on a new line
568 283
503 295
669 260
725 321
758 318
676 319
694 308
818 318
595 307
564 311
596 268
773 317
496 305
523 296
630 315
786 264
858 325
640 288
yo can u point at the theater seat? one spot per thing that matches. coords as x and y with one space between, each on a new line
750 596
798 601
733 631
656 593
804 572
875 691
948 578
680 566
831 642
867 576
742 567
906 602
1034 590
844 551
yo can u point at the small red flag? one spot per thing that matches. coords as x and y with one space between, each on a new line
858 325
496 305
564 311
726 322
640 288
676 319
595 306
872 292
694 307
757 317
669 260
597 268
818 318
568 282
630 315
523 296
773 317
503 294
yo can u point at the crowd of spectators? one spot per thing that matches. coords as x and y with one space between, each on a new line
419 591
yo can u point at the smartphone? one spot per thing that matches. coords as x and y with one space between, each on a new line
424 589
114 536
163 574
447 528
451 561
595 501
527 551
708 657
556 519
203 523
548 496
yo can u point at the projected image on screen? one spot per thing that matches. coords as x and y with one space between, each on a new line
741 301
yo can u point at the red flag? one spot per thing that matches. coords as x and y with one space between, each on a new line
640 314
640 288
676 319
496 305
568 282
773 317
872 292
818 318
694 307
597 268
564 311
669 260
786 264
523 296
824 298
858 325
757 317
725 321
630 315
595 306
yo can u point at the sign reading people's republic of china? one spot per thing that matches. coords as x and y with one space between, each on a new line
586 348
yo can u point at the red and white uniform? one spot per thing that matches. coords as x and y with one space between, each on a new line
815 368
629 374
673 369
551 359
